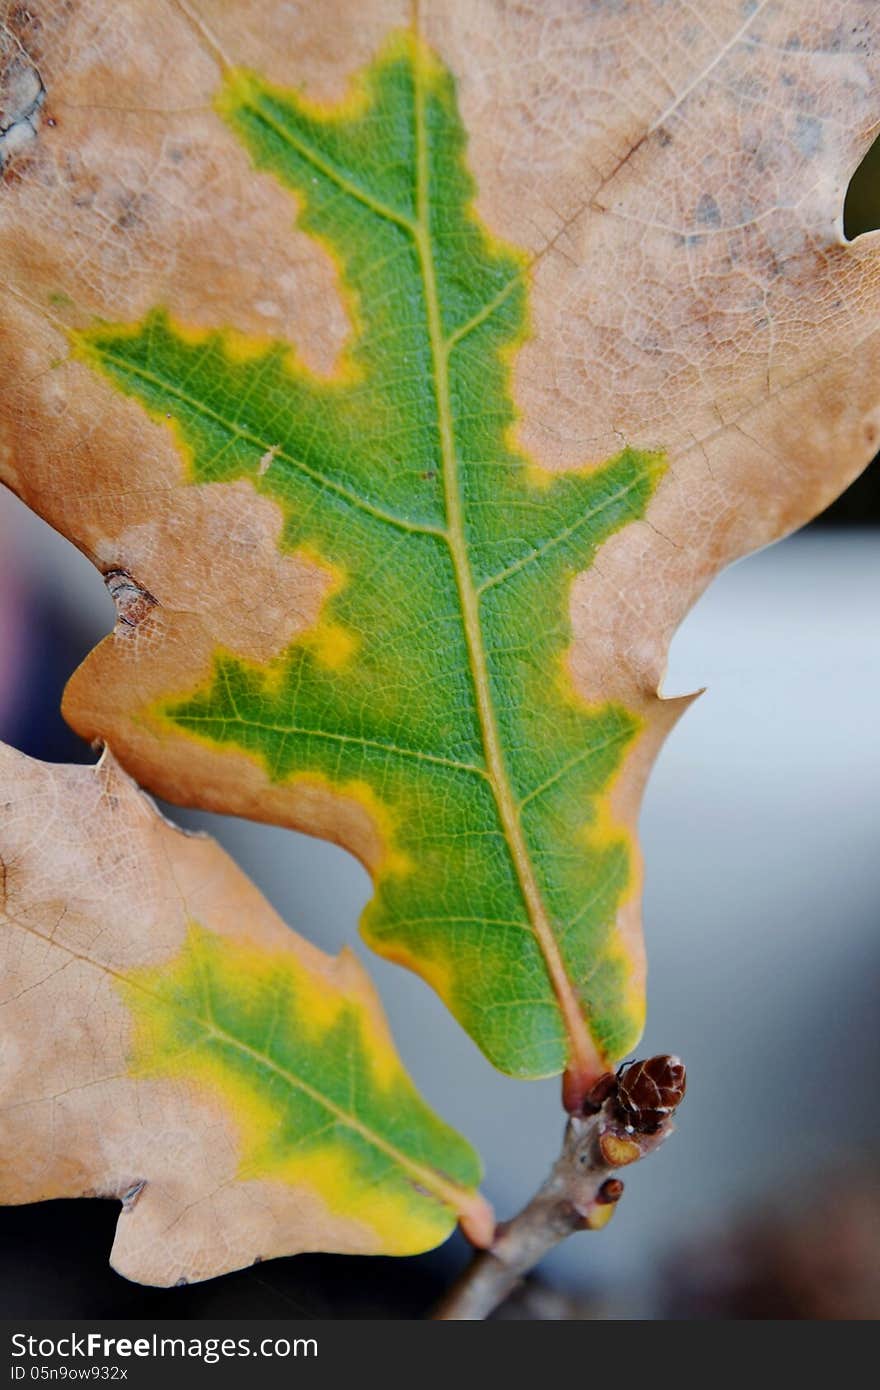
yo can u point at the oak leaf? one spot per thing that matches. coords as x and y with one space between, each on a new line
410 374
168 1041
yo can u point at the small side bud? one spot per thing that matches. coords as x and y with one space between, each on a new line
617 1151
598 1215
610 1192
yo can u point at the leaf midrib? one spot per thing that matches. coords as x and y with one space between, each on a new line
584 1060
450 1193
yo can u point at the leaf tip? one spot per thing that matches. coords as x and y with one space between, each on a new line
477 1221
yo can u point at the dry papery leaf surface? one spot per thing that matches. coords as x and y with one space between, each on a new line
167 1040
410 372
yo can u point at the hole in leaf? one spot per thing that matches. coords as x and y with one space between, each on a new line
861 206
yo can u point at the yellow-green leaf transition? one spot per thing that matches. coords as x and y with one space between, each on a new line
408 391
234 1086
434 685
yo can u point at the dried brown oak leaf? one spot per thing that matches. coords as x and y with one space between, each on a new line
166 1040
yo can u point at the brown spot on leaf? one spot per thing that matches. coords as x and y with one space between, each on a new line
133 602
21 96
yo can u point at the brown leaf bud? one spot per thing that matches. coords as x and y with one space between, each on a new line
649 1092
